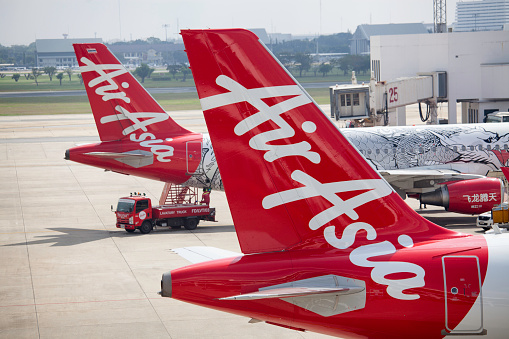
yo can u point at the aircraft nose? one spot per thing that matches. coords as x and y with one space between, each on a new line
66 155
166 285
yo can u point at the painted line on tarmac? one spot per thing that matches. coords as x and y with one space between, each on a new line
78 302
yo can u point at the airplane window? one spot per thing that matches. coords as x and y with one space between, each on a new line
369 151
377 151
488 147
463 148
455 148
386 151
480 148
471 147
433 149
421 150
505 147
497 147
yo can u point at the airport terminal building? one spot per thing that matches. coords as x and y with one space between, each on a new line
486 15
476 65
59 52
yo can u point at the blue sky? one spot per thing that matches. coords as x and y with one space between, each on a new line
23 21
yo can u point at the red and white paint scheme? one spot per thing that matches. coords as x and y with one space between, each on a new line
427 162
137 136
328 246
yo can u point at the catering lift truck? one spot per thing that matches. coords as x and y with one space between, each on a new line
178 206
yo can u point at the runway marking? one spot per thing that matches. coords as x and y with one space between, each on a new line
78 302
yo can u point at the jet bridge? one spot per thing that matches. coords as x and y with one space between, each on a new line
370 104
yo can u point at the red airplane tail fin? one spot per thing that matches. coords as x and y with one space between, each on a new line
291 178
119 102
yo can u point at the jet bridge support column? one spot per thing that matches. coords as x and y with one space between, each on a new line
452 113
401 116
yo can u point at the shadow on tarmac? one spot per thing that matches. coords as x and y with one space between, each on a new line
451 220
66 236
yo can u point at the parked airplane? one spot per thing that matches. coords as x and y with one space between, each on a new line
329 246
138 137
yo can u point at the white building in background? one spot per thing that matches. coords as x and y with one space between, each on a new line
59 52
360 39
477 66
484 15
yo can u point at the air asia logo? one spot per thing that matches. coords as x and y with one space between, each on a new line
373 188
139 120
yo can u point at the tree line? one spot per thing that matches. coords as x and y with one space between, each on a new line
50 71
21 55
302 63
296 55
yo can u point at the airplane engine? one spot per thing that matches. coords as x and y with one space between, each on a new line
472 196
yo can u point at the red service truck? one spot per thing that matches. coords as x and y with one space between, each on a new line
136 212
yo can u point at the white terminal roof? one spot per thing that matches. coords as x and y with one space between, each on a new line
61 45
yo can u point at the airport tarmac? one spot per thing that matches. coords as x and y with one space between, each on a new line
67 272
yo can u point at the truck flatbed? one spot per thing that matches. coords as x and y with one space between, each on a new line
180 210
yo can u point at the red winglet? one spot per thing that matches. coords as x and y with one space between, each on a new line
290 176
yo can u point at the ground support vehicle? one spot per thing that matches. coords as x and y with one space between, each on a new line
484 220
136 211
499 216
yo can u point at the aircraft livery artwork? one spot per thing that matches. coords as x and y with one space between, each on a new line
207 174
327 245
440 165
481 147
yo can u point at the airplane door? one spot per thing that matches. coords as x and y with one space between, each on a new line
462 289
193 156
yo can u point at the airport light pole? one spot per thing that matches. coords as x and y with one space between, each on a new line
166 30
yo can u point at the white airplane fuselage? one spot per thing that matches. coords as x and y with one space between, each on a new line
470 148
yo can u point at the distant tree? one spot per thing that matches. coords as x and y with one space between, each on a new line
50 71
173 69
18 55
184 69
60 76
344 64
364 64
324 68
285 58
81 78
314 69
69 72
154 40
357 63
180 57
35 74
143 71
151 70
303 62
16 76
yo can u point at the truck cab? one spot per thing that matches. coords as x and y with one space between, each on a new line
134 212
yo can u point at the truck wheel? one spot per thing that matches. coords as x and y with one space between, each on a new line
146 227
191 224
130 231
